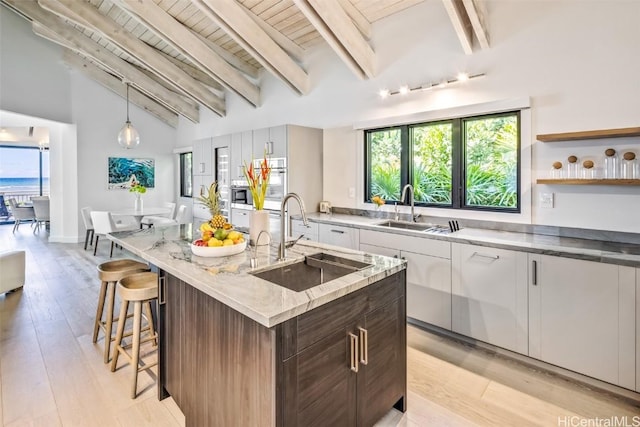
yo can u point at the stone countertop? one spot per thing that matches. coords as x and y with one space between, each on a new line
592 250
227 279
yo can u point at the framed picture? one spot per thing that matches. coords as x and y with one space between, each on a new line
123 170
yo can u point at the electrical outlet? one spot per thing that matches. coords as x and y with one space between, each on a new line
352 192
546 200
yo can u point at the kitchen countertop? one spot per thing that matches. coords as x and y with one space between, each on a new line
227 279
592 250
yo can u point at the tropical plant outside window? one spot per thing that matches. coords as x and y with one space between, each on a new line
467 163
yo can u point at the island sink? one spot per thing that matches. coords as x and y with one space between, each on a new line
313 270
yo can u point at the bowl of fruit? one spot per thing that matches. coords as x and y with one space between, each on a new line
218 236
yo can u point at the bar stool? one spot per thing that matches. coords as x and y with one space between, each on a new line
109 273
138 288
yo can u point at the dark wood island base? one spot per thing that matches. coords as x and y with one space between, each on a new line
340 364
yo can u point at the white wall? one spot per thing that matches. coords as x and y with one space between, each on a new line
577 61
84 119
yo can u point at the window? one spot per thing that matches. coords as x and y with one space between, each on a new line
24 172
464 163
186 183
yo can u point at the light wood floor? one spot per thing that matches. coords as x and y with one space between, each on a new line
51 374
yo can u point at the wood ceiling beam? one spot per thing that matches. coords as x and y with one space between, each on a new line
337 29
232 18
295 51
184 41
115 85
359 20
461 24
235 62
85 15
476 14
196 73
49 26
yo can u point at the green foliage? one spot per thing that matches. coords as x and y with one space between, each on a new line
490 156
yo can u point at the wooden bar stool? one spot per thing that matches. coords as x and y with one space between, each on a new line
139 288
109 273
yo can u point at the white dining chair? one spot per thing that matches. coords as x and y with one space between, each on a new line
150 220
181 218
41 210
104 224
86 218
21 213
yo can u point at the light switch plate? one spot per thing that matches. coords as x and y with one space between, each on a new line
546 200
352 193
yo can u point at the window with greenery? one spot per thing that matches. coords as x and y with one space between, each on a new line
186 184
464 163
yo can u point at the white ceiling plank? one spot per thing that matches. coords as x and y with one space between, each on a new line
337 29
230 16
184 41
476 12
115 85
295 51
85 14
358 18
461 24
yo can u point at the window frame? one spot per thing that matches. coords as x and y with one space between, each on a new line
183 184
458 161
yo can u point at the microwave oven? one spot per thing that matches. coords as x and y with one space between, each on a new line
241 195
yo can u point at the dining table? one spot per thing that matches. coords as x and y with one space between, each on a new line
138 214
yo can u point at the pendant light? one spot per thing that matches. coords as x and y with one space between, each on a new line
128 136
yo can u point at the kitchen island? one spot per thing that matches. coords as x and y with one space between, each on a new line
236 349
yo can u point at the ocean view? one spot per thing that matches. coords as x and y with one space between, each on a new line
23 185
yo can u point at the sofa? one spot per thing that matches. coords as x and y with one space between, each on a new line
12 266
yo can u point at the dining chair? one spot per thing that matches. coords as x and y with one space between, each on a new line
181 218
21 213
4 213
41 210
150 220
88 224
104 224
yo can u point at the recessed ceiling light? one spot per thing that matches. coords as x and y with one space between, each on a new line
383 93
404 90
463 77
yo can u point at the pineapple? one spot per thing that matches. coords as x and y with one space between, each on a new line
212 202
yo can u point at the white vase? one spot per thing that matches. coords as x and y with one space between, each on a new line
138 203
258 221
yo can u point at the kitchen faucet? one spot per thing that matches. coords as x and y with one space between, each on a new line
404 193
254 260
281 249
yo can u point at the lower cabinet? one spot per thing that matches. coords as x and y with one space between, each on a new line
489 295
308 232
338 235
428 273
343 363
240 217
582 317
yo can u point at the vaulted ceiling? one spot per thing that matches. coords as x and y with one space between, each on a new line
178 55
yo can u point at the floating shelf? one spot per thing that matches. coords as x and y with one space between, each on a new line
589 181
589 134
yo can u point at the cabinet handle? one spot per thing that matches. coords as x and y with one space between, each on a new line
364 344
337 231
202 190
268 146
534 275
478 254
202 167
353 354
162 290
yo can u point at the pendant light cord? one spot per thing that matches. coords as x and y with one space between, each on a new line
127 102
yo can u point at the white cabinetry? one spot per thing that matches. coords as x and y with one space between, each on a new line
428 273
240 217
582 317
338 235
202 157
638 329
489 295
271 140
309 232
241 152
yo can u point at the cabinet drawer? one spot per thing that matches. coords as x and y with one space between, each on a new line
419 245
318 323
338 235
298 228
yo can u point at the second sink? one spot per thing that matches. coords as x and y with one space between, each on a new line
312 271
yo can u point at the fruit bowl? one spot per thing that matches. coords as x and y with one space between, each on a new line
218 251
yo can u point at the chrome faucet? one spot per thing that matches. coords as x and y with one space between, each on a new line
404 193
281 249
254 260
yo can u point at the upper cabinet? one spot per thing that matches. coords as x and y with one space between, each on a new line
202 157
270 141
241 152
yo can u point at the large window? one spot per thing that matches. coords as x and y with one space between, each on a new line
186 176
24 172
464 163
